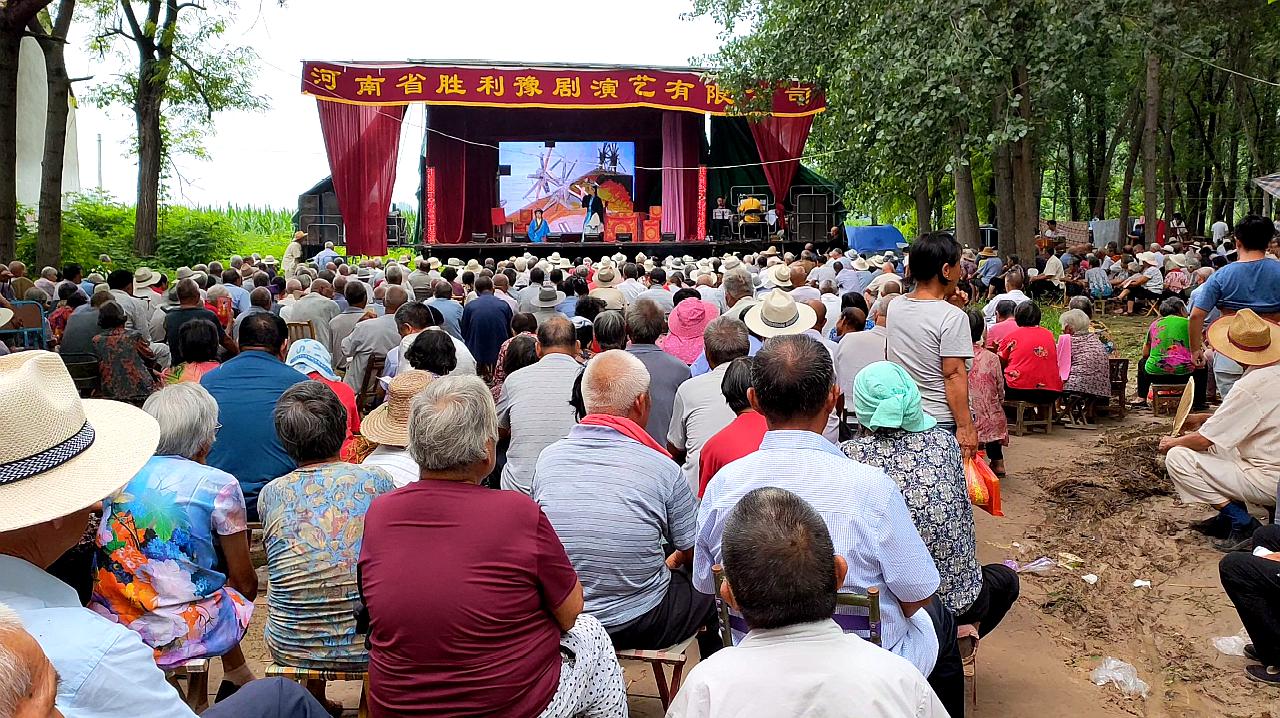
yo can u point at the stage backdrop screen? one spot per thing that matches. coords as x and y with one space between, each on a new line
554 179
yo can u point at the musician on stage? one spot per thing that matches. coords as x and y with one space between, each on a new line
721 220
538 228
594 221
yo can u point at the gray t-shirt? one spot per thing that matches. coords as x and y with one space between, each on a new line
921 333
535 407
698 413
666 374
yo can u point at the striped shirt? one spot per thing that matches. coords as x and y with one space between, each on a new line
869 523
613 501
535 407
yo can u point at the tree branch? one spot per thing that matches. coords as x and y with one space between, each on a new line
199 75
127 6
117 31
21 11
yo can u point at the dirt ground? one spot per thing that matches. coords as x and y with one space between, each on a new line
1101 498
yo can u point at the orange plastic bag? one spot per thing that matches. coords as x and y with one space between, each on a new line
983 484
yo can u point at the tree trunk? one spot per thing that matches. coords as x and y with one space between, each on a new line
1002 176
1073 185
1026 185
1126 186
924 206
150 156
49 237
1170 181
966 206
1150 136
10 42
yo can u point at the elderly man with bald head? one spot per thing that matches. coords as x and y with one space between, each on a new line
373 337
318 308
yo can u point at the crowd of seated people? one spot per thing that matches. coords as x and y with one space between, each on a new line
463 534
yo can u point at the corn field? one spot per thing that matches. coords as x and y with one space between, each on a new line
249 219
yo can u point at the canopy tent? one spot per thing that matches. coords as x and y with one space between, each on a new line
1270 185
477 104
875 238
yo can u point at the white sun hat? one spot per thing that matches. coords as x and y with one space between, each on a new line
778 315
59 453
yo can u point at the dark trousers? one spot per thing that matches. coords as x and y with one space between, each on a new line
1033 396
1253 585
995 450
1201 375
947 678
682 612
999 591
269 698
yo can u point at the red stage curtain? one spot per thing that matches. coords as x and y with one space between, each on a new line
362 143
681 144
781 138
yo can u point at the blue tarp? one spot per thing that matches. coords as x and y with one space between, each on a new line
873 239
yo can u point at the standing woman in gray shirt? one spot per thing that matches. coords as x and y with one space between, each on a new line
929 336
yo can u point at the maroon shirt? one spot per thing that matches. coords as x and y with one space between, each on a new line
460 582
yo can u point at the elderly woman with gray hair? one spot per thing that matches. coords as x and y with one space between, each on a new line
173 546
312 525
508 637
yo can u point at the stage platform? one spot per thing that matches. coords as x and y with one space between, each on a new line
595 250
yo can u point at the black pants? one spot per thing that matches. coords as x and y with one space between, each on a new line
269 698
995 450
1201 375
999 591
947 678
1253 585
1141 292
681 613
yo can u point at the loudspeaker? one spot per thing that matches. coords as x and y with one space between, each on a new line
623 237
668 236
811 204
811 232
504 170
479 238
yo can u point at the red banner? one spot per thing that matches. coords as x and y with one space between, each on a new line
566 88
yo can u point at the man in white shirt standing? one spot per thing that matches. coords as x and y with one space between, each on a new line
1220 229
1013 292
795 660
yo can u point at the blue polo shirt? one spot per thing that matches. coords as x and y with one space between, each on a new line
246 388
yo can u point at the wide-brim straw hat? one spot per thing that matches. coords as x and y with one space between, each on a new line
473 266
59 453
1149 258
1247 338
778 315
144 277
772 251
6 315
987 252
548 296
607 277
389 423
779 276
861 265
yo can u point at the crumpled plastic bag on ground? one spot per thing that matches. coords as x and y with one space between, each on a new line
1232 645
1123 675
1042 565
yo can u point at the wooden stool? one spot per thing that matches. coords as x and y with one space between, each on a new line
196 671
1119 368
1020 410
302 675
1165 398
674 656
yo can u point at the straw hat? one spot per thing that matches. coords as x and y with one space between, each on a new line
433 262
548 296
184 273
772 251
779 276
299 235
143 277
473 266
731 263
6 314
389 423
1247 338
60 453
455 262
987 252
95 279
861 265
606 277
1150 258
521 265
968 254
620 258
778 315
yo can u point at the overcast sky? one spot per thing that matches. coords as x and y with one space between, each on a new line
268 158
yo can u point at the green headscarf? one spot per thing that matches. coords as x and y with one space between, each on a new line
886 397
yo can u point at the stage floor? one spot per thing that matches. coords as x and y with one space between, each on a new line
595 250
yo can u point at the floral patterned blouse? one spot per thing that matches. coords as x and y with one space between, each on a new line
58 321
500 374
1169 339
926 466
312 525
1090 367
1030 358
126 364
157 568
986 396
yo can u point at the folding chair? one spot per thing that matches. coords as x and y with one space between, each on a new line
370 387
673 656
196 696
301 675
83 369
27 325
300 330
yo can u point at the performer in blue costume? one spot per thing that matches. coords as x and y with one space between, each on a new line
593 223
538 228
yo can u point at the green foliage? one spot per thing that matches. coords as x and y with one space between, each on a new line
191 236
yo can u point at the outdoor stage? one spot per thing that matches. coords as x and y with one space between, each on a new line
504 144
657 250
